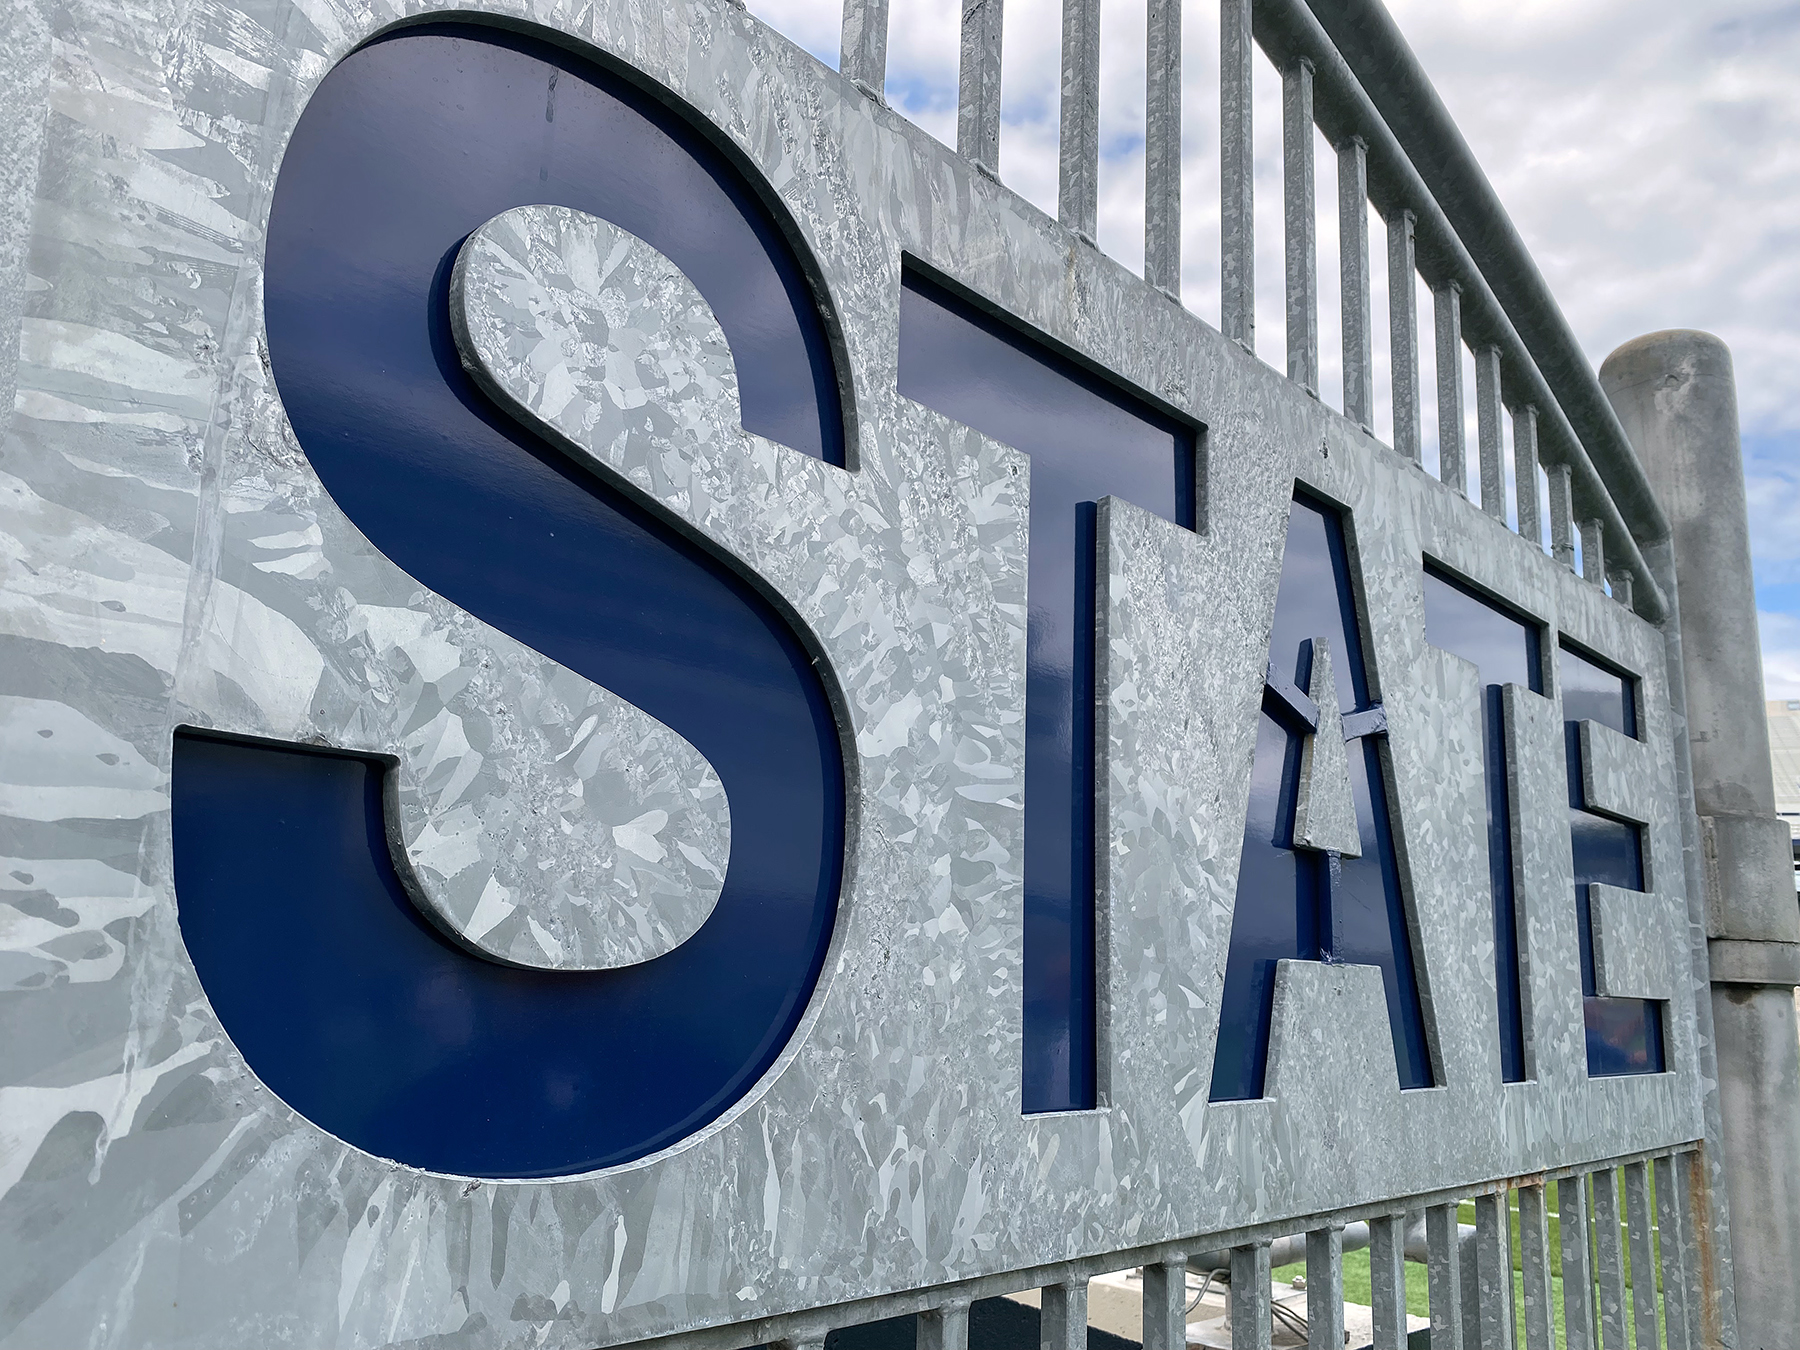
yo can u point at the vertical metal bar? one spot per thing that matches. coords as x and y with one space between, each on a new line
1489 441
1453 464
1621 583
1534 1264
1301 218
1353 276
1577 1263
1387 1281
1063 1319
1712 1318
1493 1271
863 56
1162 148
1593 551
1403 333
1468 1247
1325 1286
1562 514
1699 1179
1443 1270
1237 176
978 85
1643 1258
1250 1328
1610 1258
1525 473
1679 1259
1165 1305
1078 179
945 1328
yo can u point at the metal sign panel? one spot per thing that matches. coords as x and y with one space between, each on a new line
636 701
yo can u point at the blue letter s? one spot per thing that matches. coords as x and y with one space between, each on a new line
344 999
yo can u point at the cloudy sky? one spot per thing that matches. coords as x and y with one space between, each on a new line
1648 150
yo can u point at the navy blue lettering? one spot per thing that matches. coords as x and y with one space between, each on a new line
1087 440
1624 1035
1298 903
340 996
1506 649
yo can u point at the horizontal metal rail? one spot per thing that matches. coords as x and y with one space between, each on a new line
1660 1223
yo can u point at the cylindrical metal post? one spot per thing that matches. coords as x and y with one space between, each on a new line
1675 395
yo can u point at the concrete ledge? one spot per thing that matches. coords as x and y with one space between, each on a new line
1750 876
1754 962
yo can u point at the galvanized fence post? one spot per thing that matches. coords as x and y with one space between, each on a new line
1675 395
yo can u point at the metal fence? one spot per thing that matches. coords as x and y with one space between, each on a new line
1398 151
775 1219
1444 226
1587 1257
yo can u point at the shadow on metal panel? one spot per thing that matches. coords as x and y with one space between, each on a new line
342 998
994 1324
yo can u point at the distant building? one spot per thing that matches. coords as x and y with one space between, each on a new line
1784 759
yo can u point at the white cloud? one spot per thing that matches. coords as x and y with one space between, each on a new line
1649 153
1646 149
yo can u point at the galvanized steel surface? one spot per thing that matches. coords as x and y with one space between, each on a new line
173 1201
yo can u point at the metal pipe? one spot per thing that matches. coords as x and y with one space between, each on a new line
1286 1251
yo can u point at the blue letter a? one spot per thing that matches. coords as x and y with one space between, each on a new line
1318 880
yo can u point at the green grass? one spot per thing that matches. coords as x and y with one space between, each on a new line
1358 1288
